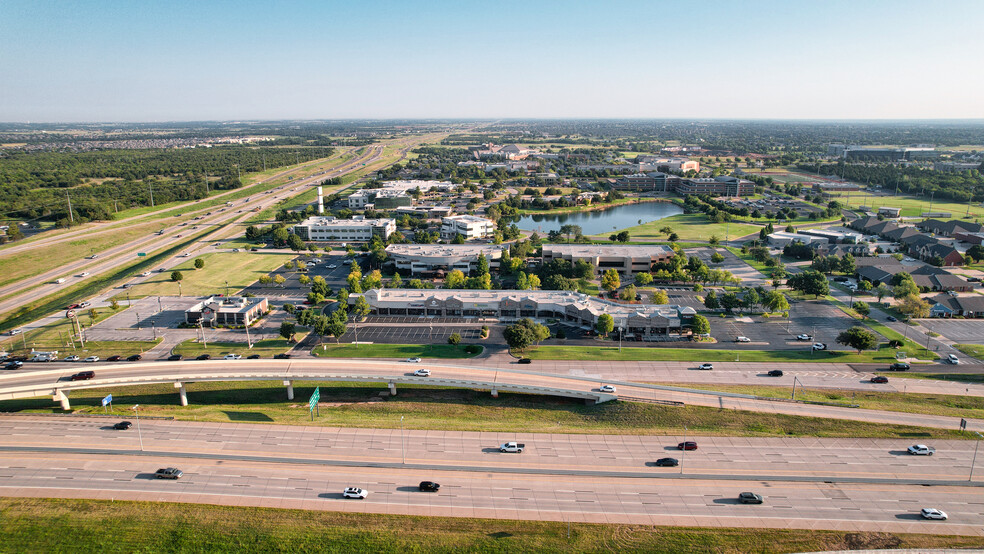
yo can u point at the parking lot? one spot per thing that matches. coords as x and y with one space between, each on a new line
957 330
750 277
408 330
822 321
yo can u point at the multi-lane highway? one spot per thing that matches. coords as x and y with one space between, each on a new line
847 484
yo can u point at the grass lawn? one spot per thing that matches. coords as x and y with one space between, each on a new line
427 407
240 269
328 350
689 227
265 348
958 377
592 353
750 260
56 336
73 525
972 350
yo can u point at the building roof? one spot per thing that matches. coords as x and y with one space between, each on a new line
445 250
604 250
323 221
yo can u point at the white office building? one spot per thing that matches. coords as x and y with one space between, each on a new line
469 226
431 258
357 229
626 259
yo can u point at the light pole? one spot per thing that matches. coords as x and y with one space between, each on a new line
403 451
136 415
683 452
619 339
979 437
128 299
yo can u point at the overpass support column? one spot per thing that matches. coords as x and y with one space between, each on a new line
495 393
290 389
392 387
182 392
60 396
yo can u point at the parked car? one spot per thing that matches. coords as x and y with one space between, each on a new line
169 473
879 379
232 357
742 339
174 357
933 513
953 359
607 388
775 373
899 366
819 346
688 445
134 358
429 486
204 357
83 376
122 426
525 361
891 318
921 450
414 360
422 373
355 492
91 359
706 366
750 498
72 358
253 357
667 462
804 337
114 358
281 356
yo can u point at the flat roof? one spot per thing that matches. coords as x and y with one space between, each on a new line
603 250
436 250
324 221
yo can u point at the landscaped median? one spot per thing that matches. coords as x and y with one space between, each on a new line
424 351
613 353
266 348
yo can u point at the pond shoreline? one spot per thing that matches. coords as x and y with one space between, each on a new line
600 218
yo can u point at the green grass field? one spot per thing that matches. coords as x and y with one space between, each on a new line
57 336
598 353
240 269
690 227
266 348
972 350
425 351
62 526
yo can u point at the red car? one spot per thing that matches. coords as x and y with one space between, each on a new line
689 445
879 379
71 306
83 376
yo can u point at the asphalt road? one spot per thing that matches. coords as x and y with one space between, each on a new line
559 477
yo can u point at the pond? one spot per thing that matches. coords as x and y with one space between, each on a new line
600 221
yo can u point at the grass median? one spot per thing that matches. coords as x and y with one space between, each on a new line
74 525
360 405
265 348
694 353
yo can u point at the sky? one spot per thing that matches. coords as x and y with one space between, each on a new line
78 61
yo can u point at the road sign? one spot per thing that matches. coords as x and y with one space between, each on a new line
141 253
314 398
108 400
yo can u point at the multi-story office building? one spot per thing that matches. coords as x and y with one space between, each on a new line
430 258
357 229
468 226
627 260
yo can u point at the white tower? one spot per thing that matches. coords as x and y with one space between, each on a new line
321 202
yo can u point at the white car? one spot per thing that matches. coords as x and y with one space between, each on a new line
953 359
185 255
232 357
742 339
91 359
84 305
72 358
145 274
422 373
15 331
84 274
607 388
933 513
355 492
333 266
819 346
921 450
706 366
413 360
804 337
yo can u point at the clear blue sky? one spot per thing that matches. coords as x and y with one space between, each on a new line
165 61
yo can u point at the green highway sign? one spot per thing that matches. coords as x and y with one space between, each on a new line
141 253
314 398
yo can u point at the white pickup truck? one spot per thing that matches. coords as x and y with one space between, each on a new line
511 447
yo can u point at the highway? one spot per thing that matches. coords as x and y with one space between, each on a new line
844 484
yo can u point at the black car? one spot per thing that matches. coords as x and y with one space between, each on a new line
750 498
84 376
204 357
879 379
667 462
891 318
134 358
123 425
174 357
253 357
525 361
114 358
775 373
899 366
429 486
13 365
281 356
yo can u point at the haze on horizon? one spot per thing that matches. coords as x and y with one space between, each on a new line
189 61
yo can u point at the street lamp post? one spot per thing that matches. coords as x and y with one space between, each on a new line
979 437
136 415
403 450
619 339
683 452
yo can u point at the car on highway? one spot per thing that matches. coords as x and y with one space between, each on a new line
933 513
15 331
122 426
92 257
134 358
253 357
422 373
145 274
879 379
525 361
72 358
819 346
891 318
84 305
355 492
514 447
775 373
804 337
232 357
706 366
921 450
15 364
83 376
742 339
667 462
114 358
413 360
84 274
91 359
687 445
204 357
607 388
899 366
429 486
953 359
185 255
281 356
750 498
169 473
71 306
174 357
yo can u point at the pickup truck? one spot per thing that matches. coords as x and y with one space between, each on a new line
511 447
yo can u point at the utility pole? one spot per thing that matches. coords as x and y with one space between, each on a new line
71 218
151 185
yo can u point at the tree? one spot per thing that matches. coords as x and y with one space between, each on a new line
336 327
605 324
361 308
730 301
295 243
976 252
623 237
483 264
714 240
775 301
700 325
858 338
610 280
354 279
673 237
666 230
279 280
454 339
751 299
264 279
717 258
199 263
905 288
810 281
304 280
913 306
290 308
320 286
711 301
628 293
534 282
660 297
176 276
643 278
847 265
861 308
864 285
518 336
287 330
114 305
522 282
397 281
454 280
315 298
881 291
374 280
